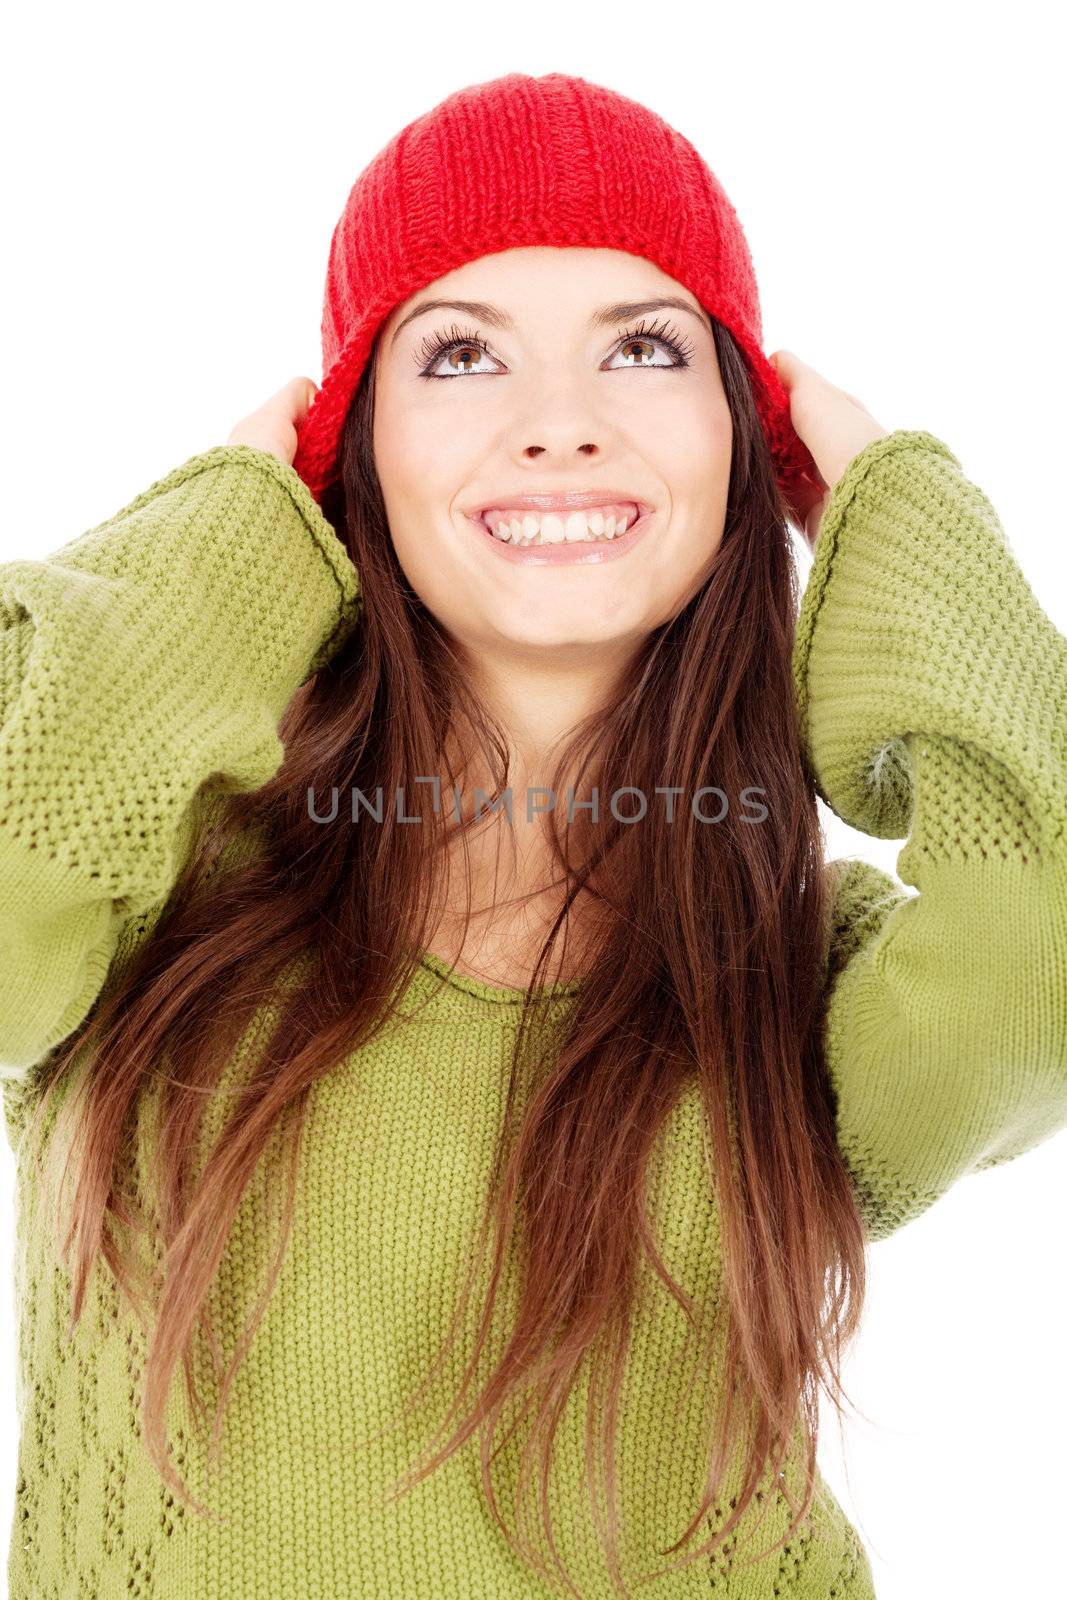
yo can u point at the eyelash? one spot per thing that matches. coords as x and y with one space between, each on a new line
434 347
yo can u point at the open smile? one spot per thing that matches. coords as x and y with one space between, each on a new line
559 551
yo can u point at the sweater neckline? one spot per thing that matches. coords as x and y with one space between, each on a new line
498 994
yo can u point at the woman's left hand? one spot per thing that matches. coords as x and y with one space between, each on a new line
833 424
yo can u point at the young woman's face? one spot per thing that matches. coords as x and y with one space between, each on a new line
579 392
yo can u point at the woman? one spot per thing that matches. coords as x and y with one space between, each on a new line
417 931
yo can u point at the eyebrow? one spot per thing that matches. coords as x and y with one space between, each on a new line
620 311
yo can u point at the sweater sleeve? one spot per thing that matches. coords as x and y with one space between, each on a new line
144 669
932 696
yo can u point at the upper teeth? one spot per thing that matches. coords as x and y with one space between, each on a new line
550 527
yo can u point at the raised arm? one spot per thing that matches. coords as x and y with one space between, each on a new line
932 691
145 667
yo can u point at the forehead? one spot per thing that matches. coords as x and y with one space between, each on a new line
511 304
534 277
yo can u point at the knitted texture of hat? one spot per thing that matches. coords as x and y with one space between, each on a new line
521 161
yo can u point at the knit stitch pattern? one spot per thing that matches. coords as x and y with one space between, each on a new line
143 672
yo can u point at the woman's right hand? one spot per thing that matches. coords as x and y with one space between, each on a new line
274 426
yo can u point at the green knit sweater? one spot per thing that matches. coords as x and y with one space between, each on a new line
144 667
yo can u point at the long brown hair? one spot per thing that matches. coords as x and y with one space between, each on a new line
711 965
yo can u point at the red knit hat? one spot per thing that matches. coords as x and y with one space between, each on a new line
522 161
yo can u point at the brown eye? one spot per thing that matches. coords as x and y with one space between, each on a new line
638 344
461 355
462 349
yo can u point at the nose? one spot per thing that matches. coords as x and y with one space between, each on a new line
534 450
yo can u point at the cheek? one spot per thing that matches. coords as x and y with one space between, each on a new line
431 576
421 464
697 438
424 542
695 466
684 432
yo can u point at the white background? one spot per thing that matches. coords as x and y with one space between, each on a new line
173 176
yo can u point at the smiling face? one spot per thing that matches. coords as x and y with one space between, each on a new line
561 381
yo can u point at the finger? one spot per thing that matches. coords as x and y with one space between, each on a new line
789 361
298 395
783 362
298 392
789 368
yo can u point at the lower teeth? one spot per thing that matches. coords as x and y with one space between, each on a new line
594 538
597 538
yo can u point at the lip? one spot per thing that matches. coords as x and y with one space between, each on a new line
582 552
576 500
